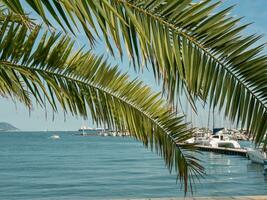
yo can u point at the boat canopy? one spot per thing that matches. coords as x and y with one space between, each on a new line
216 130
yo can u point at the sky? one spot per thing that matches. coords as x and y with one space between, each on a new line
39 120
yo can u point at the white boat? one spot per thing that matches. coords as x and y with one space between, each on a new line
201 141
85 128
221 140
190 141
105 134
218 140
55 137
200 137
257 155
114 134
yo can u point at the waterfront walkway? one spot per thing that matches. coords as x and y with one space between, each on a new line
223 150
262 197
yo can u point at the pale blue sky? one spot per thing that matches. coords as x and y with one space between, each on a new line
254 11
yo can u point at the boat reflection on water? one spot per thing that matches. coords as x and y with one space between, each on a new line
258 169
254 167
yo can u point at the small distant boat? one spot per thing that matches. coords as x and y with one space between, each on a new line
55 137
105 134
85 128
113 133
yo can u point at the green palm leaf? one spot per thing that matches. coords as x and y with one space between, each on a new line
190 46
45 66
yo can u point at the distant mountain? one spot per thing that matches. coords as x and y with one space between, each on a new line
7 127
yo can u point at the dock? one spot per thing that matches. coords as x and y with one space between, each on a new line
222 150
257 197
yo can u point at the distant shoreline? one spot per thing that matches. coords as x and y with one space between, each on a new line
30 131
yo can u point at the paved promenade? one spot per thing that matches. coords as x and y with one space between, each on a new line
208 198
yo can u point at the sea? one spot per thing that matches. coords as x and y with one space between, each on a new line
34 166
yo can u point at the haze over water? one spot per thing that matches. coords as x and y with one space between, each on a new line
33 166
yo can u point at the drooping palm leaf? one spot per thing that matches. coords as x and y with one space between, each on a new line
38 64
189 45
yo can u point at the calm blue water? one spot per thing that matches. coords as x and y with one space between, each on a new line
32 166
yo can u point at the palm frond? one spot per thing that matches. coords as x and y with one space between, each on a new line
15 17
191 47
208 53
40 65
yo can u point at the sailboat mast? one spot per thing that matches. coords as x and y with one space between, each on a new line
213 119
209 119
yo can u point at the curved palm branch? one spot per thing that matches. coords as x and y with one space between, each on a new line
46 66
190 46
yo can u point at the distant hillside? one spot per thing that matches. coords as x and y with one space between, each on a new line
7 127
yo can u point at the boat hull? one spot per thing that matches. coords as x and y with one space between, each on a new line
257 157
55 137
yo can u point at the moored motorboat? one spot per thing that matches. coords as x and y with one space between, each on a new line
221 140
217 141
257 155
